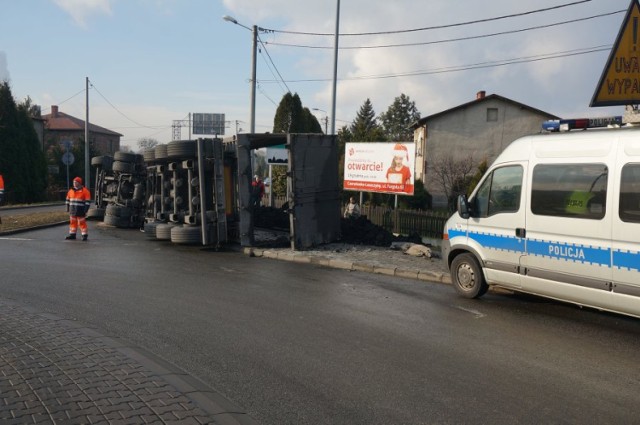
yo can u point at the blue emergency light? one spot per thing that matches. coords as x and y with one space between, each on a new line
581 123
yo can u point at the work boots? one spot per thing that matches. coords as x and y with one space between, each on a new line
71 236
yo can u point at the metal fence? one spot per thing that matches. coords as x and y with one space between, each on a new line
427 224
405 222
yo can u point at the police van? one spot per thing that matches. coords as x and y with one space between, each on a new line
556 215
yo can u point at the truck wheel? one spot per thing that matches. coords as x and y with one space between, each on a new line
186 235
163 231
96 213
150 229
123 167
181 149
467 277
124 156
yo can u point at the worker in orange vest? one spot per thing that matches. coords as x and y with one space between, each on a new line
78 202
1 188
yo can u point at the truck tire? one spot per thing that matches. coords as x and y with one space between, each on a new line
104 161
190 235
160 152
95 213
123 167
150 229
467 277
163 231
124 156
149 154
182 149
118 211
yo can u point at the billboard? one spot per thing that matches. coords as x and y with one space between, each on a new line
277 155
208 124
380 167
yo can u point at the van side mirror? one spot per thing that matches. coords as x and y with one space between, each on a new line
463 206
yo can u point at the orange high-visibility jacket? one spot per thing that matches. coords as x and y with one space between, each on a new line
78 201
1 185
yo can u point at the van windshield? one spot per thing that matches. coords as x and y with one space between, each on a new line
499 192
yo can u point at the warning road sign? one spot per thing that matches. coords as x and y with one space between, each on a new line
620 80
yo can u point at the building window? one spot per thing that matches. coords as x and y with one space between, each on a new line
492 114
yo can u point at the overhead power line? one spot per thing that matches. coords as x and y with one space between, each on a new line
458 68
264 47
120 112
477 21
451 40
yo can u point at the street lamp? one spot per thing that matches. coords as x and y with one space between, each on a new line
254 30
326 118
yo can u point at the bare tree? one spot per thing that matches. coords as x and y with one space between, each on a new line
147 143
452 174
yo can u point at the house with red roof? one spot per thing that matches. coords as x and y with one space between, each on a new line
61 127
468 134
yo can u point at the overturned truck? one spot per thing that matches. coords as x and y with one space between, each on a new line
199 191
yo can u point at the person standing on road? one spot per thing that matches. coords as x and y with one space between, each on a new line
257 191
352 210
78 202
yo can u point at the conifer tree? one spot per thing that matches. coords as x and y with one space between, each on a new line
22 161
397 120
364 127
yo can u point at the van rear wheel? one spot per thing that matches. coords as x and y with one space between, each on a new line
467 277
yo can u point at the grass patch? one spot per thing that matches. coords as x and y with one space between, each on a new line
25 221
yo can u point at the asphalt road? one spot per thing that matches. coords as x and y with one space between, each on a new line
300 344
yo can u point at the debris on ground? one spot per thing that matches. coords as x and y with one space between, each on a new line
355 231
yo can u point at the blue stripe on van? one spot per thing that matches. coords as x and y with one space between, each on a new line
626 259
502 242
561 251
570 252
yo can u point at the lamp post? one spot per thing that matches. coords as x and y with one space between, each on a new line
326 118
254 30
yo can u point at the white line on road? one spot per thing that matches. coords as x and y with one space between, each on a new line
16 239
468 310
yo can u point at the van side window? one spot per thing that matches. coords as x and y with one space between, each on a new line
630 193
569 190
499 192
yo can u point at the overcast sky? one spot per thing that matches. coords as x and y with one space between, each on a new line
151 62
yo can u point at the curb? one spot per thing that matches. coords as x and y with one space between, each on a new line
388 270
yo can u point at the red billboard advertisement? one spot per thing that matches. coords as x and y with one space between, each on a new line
379 167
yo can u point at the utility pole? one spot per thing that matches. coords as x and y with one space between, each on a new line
335 70
87 173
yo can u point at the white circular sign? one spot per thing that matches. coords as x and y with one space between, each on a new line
67 158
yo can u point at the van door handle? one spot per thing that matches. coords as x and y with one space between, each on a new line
521 232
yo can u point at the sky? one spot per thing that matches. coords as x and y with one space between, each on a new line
151 63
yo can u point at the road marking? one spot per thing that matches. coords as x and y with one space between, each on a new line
474 312
16 239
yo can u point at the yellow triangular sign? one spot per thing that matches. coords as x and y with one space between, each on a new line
620 80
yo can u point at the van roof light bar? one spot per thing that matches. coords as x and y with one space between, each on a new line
581 123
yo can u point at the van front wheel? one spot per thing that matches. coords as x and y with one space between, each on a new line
467 277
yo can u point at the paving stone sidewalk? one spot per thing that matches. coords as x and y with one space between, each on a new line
55 371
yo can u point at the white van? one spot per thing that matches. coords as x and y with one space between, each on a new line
556 215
